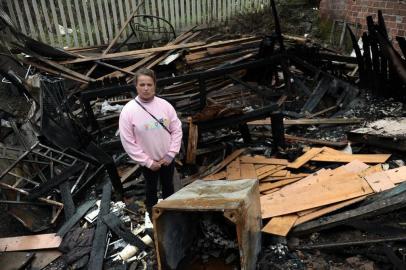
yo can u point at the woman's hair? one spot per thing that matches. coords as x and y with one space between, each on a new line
146 72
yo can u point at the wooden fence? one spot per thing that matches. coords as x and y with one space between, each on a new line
82 23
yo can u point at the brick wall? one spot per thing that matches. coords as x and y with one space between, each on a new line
355 11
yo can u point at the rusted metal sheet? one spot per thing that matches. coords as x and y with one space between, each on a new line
176 219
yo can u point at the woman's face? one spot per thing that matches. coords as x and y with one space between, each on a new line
145 87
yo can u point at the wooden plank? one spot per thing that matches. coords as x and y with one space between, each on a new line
204 12
192 142
115 17
128 173
177 13
10 9
64 69
299 122
379 182
337 189
135 52
327 210
52 71
78 14
64 23
102 22
224 11
271 191
268 186
396 176
88 27
20 17
280 225
263 160
32 242
215 11
108 19
38 21
199 12
122 16
55 21
344 158
95 22
265 169
248 171
281 173
194 12
300 161
226 161
217 176
234 170
188 14
266 174
291 176
72 23
166 10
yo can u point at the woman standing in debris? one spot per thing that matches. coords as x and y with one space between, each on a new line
151 134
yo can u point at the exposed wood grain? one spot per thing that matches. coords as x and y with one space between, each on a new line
326 210
80 22
337 189
86 11
192 142
95 21
234 170
268 186
64 23
32 242
217 176
280 225
300 161
263 160
38 21
248 171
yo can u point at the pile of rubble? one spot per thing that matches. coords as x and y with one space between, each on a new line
241 99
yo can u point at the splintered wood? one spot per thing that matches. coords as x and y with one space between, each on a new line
290 197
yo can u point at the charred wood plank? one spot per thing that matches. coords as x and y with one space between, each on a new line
360 59
80 212
317 95
117 226
99 241
68 204
55 181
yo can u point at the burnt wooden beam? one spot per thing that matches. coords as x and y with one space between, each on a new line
360 59
79 213
235 120
99 241
317 95
68 204
278 131
54 182
119 228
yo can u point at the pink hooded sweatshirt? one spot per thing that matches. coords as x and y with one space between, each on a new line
143 138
